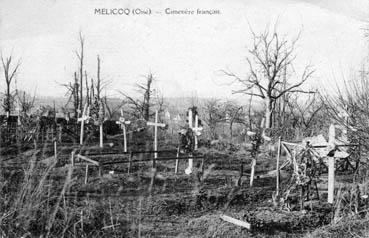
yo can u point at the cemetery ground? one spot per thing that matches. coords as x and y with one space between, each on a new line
44 195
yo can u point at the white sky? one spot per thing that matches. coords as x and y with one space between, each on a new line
185 53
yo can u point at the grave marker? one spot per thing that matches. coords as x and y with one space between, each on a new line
156 124
82 119
122 122
331 145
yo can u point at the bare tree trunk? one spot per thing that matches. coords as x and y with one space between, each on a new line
7 109
81 57
147 98
88 101
249 113
98 89
268 112
76 95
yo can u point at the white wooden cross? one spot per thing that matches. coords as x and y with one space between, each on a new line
101 122
122 122
82 119
331 145
197 131
156 124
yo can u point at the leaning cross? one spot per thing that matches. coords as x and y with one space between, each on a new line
82 119
122 122
156 124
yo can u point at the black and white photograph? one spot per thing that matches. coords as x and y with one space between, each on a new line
184 118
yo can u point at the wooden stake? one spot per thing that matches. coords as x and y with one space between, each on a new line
188 170
125 138
196 128
331 165
55 151
156 135
177 161
130 163
278 158
253 163
86 174
190 118
72 158
101 136
100 171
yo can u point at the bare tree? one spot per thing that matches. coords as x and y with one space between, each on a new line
26 102
213 115
350 108
304 114
234 113
141 108
10 72
80 57
99 102
270 56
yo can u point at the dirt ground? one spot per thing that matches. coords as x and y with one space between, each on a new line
180 205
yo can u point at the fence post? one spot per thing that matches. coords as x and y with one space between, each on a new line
130 163
177 161
72 158
277 169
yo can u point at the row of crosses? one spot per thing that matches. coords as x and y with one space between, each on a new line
193 124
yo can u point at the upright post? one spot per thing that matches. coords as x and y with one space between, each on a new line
86 174
253 164
101 136
124 134
196 130
277 169
177 161
156 135
331 165
130 162
72 157
188 170
55 151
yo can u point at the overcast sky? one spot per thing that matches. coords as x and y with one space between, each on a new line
184 52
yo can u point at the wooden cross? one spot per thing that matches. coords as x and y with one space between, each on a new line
331 145
197 131
122 122
82 119
101 122
156 124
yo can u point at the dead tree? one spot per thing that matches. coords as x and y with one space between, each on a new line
80 57
270 56
10 72
26 102
213 115
99 103
234 114
141 108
